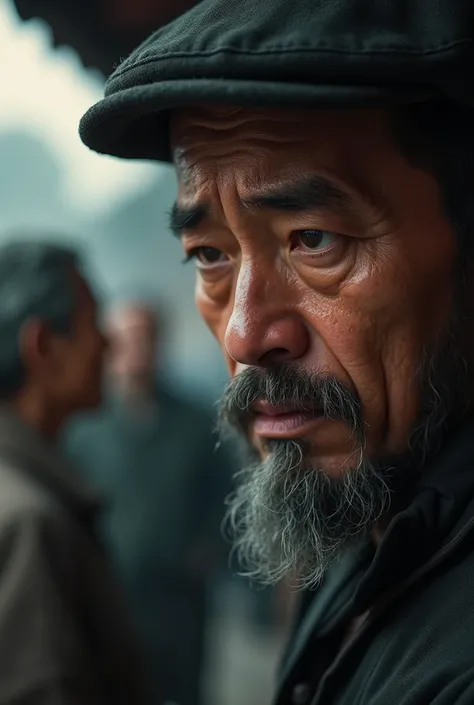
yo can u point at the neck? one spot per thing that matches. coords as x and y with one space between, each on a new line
33 411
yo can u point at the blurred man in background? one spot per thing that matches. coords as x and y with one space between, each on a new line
153 454
63 632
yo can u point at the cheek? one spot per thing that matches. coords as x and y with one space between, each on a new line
216 315
349 348
214 312
89 364
377 330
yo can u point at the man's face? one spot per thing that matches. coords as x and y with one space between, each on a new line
132 333
72 370
325 271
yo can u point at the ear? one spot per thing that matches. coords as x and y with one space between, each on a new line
35 344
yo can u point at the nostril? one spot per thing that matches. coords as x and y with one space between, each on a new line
275 356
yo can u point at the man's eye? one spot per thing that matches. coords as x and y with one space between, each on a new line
313 240
206 256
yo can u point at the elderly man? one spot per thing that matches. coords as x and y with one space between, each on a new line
325 159
64 636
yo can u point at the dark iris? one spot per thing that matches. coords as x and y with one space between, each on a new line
209 255
311 238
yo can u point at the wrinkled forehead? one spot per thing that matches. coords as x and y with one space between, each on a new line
191 124
207 140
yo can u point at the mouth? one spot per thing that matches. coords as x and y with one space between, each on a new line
283 421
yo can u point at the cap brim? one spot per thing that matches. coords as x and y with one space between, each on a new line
133 123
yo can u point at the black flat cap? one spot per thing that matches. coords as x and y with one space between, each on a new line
293 53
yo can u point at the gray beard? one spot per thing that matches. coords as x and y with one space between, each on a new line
288 519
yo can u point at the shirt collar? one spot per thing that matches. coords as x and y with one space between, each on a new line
439 508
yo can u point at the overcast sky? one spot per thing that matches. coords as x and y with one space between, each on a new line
46 91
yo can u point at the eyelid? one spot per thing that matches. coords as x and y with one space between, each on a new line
192 254
334 236
329 223
192 251
324 231
324 257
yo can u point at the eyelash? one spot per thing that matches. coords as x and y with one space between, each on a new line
193 253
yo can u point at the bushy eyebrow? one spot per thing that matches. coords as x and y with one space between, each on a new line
307 194
311 193
186 218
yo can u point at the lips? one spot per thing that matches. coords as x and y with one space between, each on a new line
283 420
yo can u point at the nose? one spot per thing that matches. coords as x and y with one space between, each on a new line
264 330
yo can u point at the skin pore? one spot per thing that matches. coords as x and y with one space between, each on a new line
321 253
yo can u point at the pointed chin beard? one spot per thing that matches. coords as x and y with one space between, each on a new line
290 519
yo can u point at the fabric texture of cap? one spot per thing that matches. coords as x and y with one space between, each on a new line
284 53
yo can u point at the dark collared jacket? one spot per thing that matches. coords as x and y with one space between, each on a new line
416 592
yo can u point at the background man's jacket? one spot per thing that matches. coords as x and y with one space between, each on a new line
63 634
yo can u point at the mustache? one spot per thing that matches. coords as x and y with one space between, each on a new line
287 384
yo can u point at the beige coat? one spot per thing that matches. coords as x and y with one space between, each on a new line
64 638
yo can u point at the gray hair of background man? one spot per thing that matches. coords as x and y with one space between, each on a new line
35 282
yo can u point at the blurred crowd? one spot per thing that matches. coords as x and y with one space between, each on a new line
102 445
154 456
